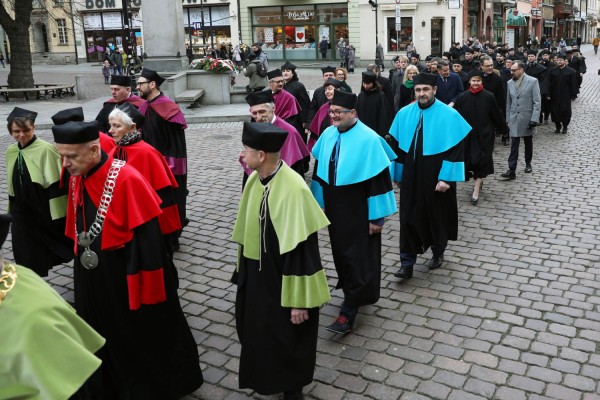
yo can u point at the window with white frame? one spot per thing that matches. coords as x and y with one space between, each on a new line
62 31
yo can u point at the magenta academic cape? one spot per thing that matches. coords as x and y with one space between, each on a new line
166 108
293 149
286 105
317 122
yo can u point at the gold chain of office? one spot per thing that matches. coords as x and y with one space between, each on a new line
8 278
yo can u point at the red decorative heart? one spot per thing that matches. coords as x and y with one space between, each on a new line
300 35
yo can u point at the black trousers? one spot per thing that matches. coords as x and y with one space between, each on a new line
514 151
545 109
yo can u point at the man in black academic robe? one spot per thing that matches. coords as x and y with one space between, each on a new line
386 86
549 65
280 279
164 129
125 285
356 196
36 200
563 90
120 88
430 161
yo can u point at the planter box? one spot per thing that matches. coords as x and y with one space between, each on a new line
216 86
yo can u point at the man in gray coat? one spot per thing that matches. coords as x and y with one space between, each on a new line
523 106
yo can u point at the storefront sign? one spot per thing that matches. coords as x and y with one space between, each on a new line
92 21
109 4
453 4
112 20
301 16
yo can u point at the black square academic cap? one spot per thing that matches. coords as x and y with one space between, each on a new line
134 114
274 74
368 77
343 99
263 136
328 68
332 82
70 114
19 112
425 79
75 132
120 80
288 65
151 75
261 97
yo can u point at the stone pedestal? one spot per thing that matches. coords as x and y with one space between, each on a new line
163 33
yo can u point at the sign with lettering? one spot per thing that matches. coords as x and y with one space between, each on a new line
110 4
112 20
301 16
269 36
92 21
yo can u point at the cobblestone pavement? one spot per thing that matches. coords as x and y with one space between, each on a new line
513 314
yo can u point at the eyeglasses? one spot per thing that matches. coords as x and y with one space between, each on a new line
141 83
337 113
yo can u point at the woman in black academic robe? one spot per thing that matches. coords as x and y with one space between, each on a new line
480 109
371 106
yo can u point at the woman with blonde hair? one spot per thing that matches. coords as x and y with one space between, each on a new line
341 75
406 93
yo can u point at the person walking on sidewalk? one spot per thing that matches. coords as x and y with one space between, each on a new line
3 66
523 107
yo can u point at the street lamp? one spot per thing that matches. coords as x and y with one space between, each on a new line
375 7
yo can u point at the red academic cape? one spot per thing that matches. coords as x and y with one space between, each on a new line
152 165
123 216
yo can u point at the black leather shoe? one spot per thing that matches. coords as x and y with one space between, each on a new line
528 169
436 262
342 325
474 201
557 129
293 395
404 273
564 130
509 175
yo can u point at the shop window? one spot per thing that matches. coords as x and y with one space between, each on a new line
300 43
339 13
62 31
266 16
272 39
324 13
397 41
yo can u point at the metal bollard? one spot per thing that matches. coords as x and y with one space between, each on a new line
80 87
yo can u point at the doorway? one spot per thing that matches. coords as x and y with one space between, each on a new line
437 29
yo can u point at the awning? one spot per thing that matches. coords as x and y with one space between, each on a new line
515 18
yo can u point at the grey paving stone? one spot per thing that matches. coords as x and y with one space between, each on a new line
433 390
562 393
526 384
480 388
506 393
